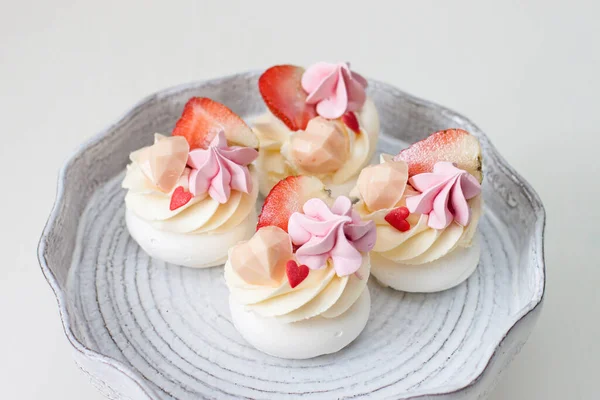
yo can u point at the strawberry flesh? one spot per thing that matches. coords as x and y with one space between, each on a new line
203 118
281 89
453 145
287 197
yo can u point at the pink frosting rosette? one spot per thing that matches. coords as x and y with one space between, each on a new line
337 233
334 88
219 169
444 195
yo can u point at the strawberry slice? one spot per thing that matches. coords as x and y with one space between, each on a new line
287 197
454 145
281 89
203 118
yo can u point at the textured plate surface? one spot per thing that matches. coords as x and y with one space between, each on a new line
144 329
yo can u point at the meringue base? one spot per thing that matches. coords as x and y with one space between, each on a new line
303 339
189 250
438 275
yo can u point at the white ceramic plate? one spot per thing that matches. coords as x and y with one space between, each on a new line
145 330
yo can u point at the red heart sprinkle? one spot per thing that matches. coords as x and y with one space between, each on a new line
295 273
179 198
397 218
350 119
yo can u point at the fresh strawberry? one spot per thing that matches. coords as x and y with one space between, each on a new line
454 145
287 197
351 121
397 218
179 198
296 274
203 118
281 89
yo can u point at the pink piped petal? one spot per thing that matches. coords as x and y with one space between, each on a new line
315 74
471 186
341 96
316 227
198 158
357 96
220 186
196 188
240 176
459 204
362 236
360 79
240 155
356 92
323 90
317 261
342 206
335 105
316 208
423 203
319 244
201 177
441 216
298 233
356 219
427 180
219 141
346 258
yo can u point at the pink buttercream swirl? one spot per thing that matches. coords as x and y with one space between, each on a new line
444 195
220 169
337 233
334 89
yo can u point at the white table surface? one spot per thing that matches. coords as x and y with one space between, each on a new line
526 73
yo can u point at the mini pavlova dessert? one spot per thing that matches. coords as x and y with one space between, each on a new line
426 203
319 122
298 287
191 196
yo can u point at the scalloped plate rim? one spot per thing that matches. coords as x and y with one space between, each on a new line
533 197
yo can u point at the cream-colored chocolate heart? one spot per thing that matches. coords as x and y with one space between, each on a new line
261 260
321 148
164 161
381 186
